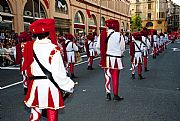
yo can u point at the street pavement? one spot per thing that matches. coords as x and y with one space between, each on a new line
154 98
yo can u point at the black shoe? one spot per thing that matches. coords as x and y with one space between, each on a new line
88 68
72 76
25 91
108 96
145 69
140 77
117 98
133 76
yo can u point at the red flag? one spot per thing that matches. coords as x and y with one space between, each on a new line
46 3
88 13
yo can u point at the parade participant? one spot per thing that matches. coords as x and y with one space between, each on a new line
138 53
161 42
22 39
165 39
71 48
89 46
95 42
154 40
146 44
45 70
111 47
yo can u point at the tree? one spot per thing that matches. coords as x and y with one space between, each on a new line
136 23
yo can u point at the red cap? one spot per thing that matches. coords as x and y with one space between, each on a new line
42 26
137 36
24 37
69 36
144 33
90 37
112 24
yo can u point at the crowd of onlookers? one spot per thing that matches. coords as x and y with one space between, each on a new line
8 41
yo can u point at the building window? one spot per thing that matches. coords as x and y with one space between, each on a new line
149 6
149 16
61 7
161 15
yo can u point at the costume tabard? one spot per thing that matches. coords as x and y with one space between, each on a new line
111 56
90 50
138 54
42 93
155 44
71 47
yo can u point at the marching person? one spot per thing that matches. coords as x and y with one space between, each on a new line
154 40
161 42
146 44
45 71
90 52
71 48
111 47
138 54
22 39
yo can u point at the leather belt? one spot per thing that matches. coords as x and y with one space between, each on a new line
37 77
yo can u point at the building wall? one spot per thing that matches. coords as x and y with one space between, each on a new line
109 9
156 10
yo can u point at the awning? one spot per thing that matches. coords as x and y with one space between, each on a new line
79 25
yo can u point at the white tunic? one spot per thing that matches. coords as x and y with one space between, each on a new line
115 49
138 51
70 49
43 50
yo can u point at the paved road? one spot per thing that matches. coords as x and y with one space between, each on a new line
152 99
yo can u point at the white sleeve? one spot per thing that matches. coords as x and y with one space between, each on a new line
122 44
59 73
98 45
75 47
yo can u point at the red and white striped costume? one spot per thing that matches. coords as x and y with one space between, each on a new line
46 95
113 60
42 93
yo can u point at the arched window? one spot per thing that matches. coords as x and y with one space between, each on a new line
6 16
149 24
33 10
127 27
79 20
61 6
92 20
122 26
79 17
103 21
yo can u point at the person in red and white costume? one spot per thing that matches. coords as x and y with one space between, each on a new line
42 92
137 61
90 51
111 47
71 48
22 39
161 41
155 41
146 44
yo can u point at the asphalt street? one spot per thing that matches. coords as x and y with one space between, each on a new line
154 98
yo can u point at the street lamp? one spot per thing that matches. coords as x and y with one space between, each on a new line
100 14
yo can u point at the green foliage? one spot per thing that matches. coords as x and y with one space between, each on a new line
136 23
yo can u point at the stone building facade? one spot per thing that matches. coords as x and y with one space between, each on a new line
74 16
153 13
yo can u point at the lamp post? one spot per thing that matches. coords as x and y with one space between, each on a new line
33 10
100 15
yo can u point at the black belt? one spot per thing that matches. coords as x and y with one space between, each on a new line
70 51
37 77
114 56
137 51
